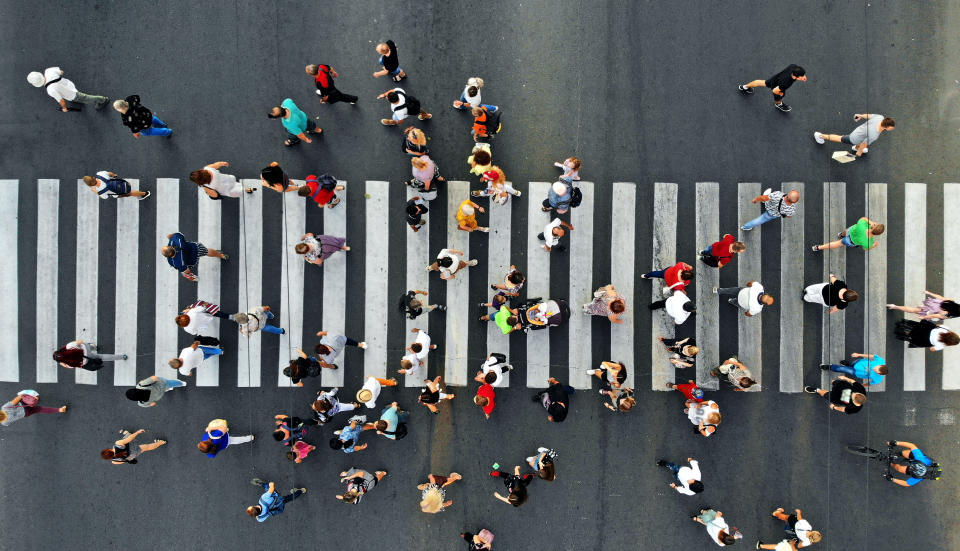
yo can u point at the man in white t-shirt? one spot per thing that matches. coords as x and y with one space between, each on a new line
863 135
448 262
492 370
63 90
677 305
799 526
192 356
418 351
197 317
368 394
552 233
749 298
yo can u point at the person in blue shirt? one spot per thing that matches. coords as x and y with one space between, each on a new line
871 367
184 255
295 121
217 438
917 467
390 419
349 436
271 503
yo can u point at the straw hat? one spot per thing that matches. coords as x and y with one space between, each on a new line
364 395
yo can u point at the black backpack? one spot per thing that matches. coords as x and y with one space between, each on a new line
493 122
576 197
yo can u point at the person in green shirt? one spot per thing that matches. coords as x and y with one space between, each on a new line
860 235
505 318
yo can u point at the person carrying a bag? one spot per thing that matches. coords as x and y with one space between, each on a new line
83 355
107 185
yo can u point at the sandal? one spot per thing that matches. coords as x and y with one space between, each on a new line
815 248
333 203
288 143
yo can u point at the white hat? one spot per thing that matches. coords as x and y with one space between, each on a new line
35 78
467 210
559 188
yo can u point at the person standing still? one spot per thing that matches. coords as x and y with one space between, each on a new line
776 204
63 90
139 119
295 121
389 61
778 84
323 76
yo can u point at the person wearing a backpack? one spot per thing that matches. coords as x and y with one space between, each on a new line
486 123
720 253
776 204
107 185
323 76
359 482
216 184
295 122
392 422
322 189
139 119
184 255
560 198
83 355
403 105
63 90
482 541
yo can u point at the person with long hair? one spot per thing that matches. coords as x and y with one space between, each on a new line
683 352
607 301
124 452
516 485
933 307
544 464
82 355
920 334
217 437
432 494
833 294
359 482
217 184
611 374
23 405
430 395
317 248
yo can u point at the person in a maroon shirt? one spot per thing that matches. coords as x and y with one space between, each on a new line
677 276
484 398
721 252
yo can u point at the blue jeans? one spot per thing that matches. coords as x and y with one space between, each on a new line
845 369
174 383
655 273
673 469
762 219
846 238
271 328
209 351
159 128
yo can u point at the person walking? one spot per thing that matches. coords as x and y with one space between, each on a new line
482 541
79 354
415 142
860 235
317 248
255 319
607 301
358 484
552 233
686 479
512 282
273 177
690 391
846 395
776 204
797 528
480 159
485 397
402 105
389 62
348 438
735 373
704 414
621 399
289 429
426 177
676 277
683 352
544 464
432 494
139 119
299 451
217 437
271 503
23 405
125 452
678 305
506 318
323 76
920 334
934 307
611 374
150 390
415 210
492 370
559 197
216 184
778 84
393 422
322 190
412 307
750 298
184 255
871 367
431 395
555 399
448 262
782 545
295 121
192 357
498 188
720 253
196 318
107 185
863 135
303 367
327 405
467 217
720 532
571 169
516 485
470 97
418 351
63 89
486 124
833 294
370 391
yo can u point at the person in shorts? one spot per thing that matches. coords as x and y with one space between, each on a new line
107 185
778 84
860 235
389 62
863 135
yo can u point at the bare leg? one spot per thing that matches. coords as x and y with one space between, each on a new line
830 245
215 253
911 309
831 137
756 83
150 447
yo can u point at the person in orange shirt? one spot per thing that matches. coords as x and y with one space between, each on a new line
467 217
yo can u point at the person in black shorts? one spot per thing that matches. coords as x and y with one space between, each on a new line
413 307
846 395
516 484
416 208
778 83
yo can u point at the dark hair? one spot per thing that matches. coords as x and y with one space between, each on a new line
516 277
518 497
206 446
304 191
138 394
413 209
425 395
887 122
472 91
882 369
490 377
696 486
512 320
726 538
617 306
482 157
283 112
949 339
336 443
322 349
749 383
445 262
951 308
547 470
200 177
850 295
279 435
798 71
686 275
273 175
381 425
322 405
292 455
392 97
622 374
689 307
416 347
254 510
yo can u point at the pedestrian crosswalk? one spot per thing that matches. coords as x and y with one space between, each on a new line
514 227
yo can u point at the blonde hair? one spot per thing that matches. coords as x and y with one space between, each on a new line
3 416
475 81
121 105
814 536
90 180
419 163
713 418
431 501
175 363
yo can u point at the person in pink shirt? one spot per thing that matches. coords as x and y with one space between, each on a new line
300 451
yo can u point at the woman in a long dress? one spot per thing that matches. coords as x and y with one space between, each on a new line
606 302
317 248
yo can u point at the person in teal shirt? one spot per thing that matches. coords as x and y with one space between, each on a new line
390 419
871 367
860 235
295 121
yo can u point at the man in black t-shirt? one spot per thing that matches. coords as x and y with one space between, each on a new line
416 208
413 307
555 399
846 395
778 83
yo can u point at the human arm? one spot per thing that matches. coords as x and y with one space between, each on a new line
904 444
217 165
129 438
566 225
934 295
302 354
454 251
500 497
760 198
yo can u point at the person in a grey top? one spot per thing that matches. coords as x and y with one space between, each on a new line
149 391
331 347
863 135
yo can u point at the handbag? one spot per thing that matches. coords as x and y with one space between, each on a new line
217 198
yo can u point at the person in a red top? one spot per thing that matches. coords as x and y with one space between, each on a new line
677 276
322 190
484 398
721 252
690 390
323 76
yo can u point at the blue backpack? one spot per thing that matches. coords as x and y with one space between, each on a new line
116 186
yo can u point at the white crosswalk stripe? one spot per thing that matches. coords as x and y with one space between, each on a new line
418 279
456 362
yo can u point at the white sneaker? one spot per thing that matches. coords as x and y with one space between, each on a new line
591 372
854 148
517 193
767 191
542 450
428 268
530 459
319 93
362 345
472 262
484 230
818 137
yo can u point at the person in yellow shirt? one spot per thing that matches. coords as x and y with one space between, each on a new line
467 217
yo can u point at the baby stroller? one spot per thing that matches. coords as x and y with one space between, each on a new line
537 313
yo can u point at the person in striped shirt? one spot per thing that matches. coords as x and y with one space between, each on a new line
776 204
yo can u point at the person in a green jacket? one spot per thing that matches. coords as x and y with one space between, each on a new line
861 235
505 318
150 390
295 121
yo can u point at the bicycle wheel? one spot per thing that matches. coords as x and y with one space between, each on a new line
862 451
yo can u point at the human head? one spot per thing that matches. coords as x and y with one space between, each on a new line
618 306
738 246
696 486
724 537
686 275
304 191
200 177
714 418
949 339
887 123
515 277
445 262
858 398
512 320
206 446
406 365
499 300
240 317
418 163
518 497
322 349
292 455
425 395
276 112
573 162
877 229
3 416
350 496
476 111
90 181
383 49
336 443
547 471
481 401
793 196
175 363
559 188
138 394
814 536
746 382
312 70
482 157
558 231
381 425
104 454
951 308
799 73
322 405
364 395
881 369
472 91
393 97
692 350
467 210
850 295
489 378
627 403
475 81
279 435
121 105
766 299
36 79
432 501
302 248
168 251
689 307
182 320
254 511
416 347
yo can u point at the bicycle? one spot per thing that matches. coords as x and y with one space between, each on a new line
870 453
